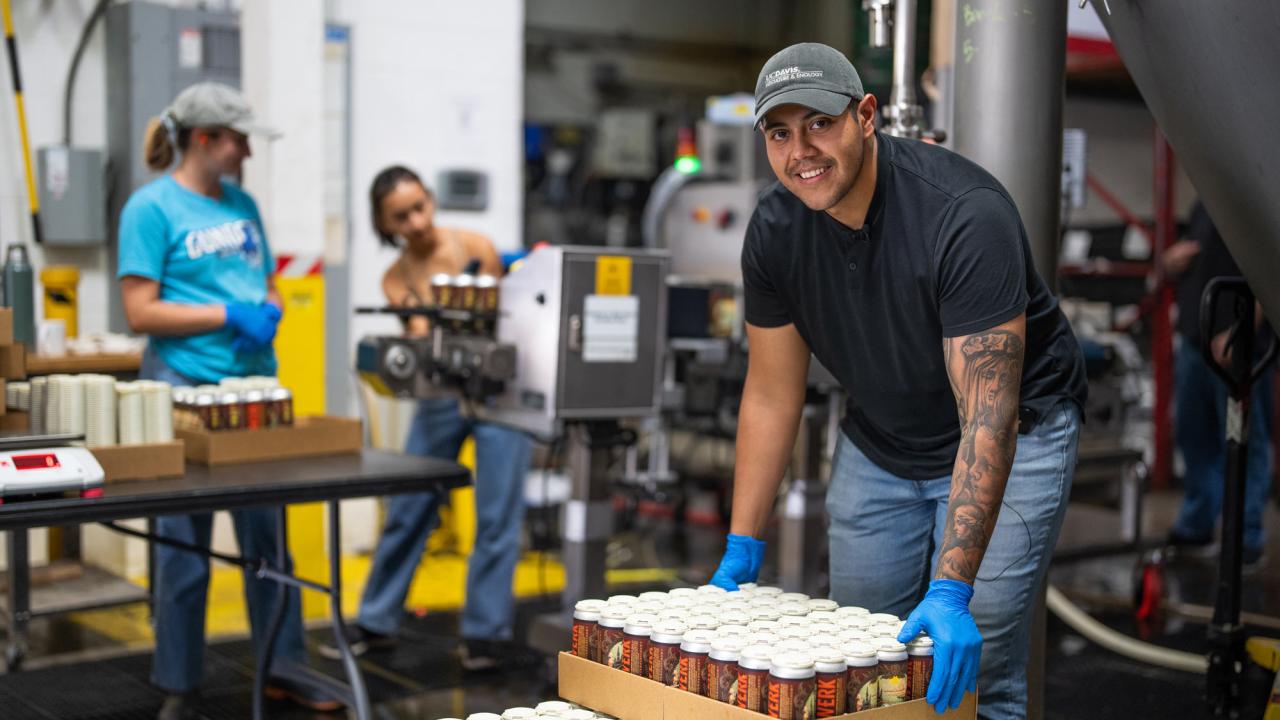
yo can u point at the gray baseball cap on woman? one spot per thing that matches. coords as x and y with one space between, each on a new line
809 74
210 104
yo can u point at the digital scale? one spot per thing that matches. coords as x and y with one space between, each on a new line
34 465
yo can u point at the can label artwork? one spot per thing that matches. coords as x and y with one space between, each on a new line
893 682
611 647
751 688
791 699
722 680
919 672
864 688
664 663
831 694
693 672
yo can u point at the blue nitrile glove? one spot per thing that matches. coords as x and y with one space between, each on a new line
254 325
957 644
741 562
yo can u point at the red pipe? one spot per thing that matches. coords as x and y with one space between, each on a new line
1161 326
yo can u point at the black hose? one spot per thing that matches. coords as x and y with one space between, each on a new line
99 10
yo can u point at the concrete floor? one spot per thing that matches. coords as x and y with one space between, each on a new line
420 678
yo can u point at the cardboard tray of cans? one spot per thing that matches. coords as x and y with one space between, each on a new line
632 697
141 462
311 436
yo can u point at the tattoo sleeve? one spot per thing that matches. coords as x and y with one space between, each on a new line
985 370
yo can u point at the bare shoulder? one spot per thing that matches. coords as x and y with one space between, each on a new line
393 286
475 242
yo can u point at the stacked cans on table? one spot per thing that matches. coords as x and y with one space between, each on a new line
105 411
782 654
549 709
250 403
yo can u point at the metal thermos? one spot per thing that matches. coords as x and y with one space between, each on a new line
19 294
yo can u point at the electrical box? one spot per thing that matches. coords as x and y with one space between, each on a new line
73 202
462 190
589 328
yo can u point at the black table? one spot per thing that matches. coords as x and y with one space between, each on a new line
230 487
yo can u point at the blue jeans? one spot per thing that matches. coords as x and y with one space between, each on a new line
885 531
182 582
502 461
1201 399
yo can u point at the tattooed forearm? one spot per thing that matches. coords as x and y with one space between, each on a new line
986 376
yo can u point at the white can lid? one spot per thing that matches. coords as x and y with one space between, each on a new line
793 597
756 657
653 596
880 618
823 605
640 624
768 590
733 631
764 625
681 592
853 610
553 706
727 648
828 659
670 632
859 653
702 622
519 713
697 640
793 608
792 665
711 589
621 599
922 645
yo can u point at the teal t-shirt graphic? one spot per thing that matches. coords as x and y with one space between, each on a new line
202 251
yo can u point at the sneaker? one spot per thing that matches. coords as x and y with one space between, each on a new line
480 655
180 706
360 641
309 697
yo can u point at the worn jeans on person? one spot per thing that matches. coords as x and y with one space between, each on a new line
182 582
1201 401
502 461
885 532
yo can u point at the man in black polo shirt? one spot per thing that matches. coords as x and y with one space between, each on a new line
906 270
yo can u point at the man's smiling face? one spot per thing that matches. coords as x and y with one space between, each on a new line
816 156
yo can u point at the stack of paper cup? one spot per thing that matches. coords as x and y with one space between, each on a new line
157 412
53 405
39 388
72 404
130 421
11 396
24 396
100 410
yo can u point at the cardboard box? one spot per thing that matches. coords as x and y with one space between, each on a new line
13 361
15 421
141 462
308 437
6 326
631 697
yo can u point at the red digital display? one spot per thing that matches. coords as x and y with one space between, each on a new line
35 462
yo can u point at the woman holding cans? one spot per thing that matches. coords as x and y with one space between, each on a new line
195 275
403 211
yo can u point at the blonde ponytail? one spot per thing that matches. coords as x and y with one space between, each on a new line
157 145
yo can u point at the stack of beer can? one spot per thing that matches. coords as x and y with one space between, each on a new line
782 654
250 403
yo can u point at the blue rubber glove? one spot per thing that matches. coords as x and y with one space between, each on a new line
741 562
254 325
957 644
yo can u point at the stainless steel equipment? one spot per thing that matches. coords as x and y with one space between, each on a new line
1202 70
590 330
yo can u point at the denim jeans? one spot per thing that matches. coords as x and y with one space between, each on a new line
885 532
502 461
1201 399
182 582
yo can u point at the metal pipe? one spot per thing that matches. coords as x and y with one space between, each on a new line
904 53
1009 85
881 24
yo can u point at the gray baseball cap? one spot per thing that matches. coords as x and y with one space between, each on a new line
810 74
211 104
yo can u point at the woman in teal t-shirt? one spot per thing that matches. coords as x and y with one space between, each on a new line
195 273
